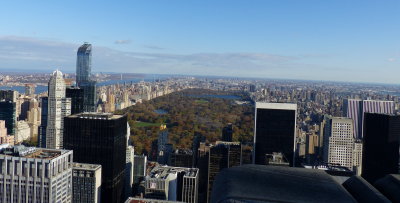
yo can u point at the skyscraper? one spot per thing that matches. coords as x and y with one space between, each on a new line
83 74
355 109
275 127
339 141
58 107
100 138
381 146
83 63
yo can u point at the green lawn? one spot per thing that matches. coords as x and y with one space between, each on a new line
201 101
146 124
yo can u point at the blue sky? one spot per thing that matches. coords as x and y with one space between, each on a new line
299 39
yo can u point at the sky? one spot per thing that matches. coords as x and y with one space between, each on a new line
340 40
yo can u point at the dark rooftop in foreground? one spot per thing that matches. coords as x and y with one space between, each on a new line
258 183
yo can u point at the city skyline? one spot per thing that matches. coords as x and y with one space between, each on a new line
287 39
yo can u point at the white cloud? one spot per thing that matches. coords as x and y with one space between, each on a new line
43 54
124 41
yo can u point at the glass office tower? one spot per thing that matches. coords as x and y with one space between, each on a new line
83 63
83 80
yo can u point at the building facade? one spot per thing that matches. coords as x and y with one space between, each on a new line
31 174
100 138
8 114
43 121
4 137
222 155
227 133
22 132
380 146
139 168
275 127
129 174
339 142
355 109
76 94
86 183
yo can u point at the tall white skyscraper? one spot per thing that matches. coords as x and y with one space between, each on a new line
58 107
339 141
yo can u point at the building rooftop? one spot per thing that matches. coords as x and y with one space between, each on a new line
259 183
85 48
143 200
226 143
162 172
85 166
280 106
183 151
31 152
96 115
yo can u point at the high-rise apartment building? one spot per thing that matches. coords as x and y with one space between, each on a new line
100 138
58 107
29 174
83 74
86 183
339 141
172 183
275 127
355 109
380 146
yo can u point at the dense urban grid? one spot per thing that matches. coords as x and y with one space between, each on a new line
107 137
